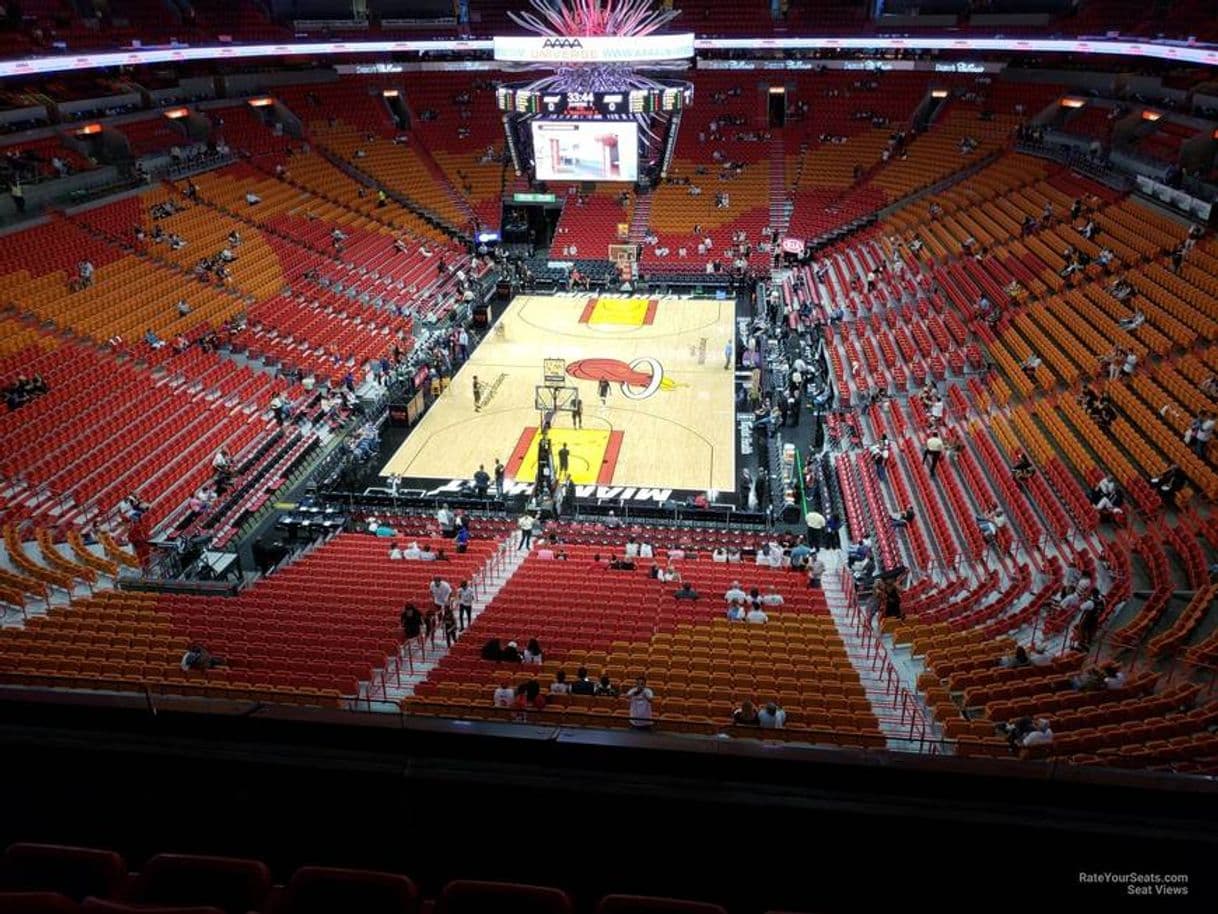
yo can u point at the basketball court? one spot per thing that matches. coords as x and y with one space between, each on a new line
668 420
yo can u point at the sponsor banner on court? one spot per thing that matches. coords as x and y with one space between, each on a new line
635 495
593 48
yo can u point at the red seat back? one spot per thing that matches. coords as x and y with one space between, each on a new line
232 885
642 904
37 903
76 872
326 890
476 897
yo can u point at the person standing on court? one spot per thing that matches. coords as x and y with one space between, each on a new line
482 481
727 355
477 394
577 412
564 459
499 472
602 391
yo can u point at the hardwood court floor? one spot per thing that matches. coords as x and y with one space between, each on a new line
676 432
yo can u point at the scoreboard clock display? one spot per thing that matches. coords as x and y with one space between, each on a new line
590 104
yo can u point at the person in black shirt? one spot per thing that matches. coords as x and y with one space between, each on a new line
412 621
499 471
482 481
617 564
583 685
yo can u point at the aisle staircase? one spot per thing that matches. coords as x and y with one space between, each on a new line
413 664
891 694
780 205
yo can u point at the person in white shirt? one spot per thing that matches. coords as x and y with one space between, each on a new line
756 616
505 695
735 594
412 552
1039 735
646 551
1131 362
441 590
640 704
772 598
532 652
560 686
444 517
772 717
632 549
396 552
526 531
719 555
816 525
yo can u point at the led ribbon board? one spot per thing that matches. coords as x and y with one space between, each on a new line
615 50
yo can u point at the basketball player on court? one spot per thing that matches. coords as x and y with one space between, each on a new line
602 391
477 395
564 457
577 412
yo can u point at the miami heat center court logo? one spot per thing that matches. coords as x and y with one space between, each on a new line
637 380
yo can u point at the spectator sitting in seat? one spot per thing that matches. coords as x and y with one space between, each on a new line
772 717
560 686
396 552
991 522
734 594
1089 680
735 612
505 695
686 592
510 654
605 688
1022 468
1168 483
583 685
1018 659
1108 499
746 715
756 616
197 657
617 564
904 518
532 652
529 697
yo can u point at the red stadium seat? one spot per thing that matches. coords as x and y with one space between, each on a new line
76 872
324 890
37 903
475 897
233 885
641 904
